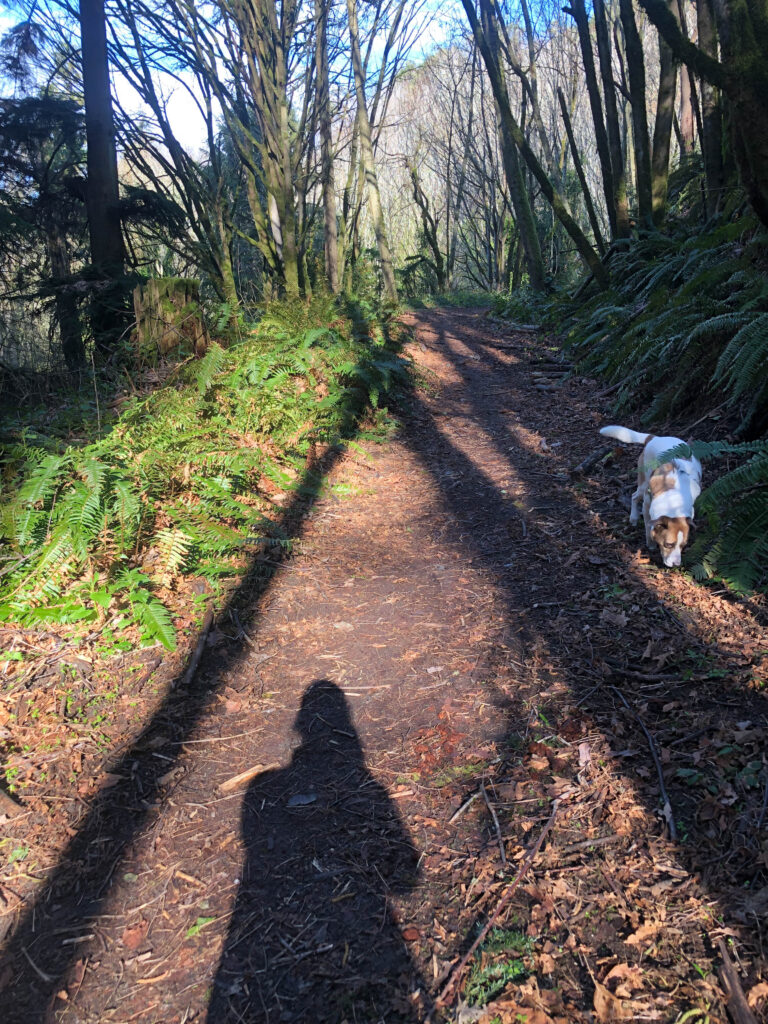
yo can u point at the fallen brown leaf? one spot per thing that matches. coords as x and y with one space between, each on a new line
607 1007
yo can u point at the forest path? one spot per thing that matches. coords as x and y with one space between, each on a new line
446 654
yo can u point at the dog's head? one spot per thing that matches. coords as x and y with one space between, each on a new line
671 534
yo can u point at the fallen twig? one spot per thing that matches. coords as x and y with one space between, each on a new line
737 1004
667 808
590 462
455 976
197 654
496 825
464 807
246 776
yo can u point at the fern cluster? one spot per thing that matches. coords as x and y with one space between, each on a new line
686 321
182 483
732 545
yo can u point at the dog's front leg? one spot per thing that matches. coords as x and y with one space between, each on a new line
650 542
637 501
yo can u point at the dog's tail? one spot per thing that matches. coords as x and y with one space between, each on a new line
626 435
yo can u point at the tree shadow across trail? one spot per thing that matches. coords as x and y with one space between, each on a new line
324 847
39 957
582 618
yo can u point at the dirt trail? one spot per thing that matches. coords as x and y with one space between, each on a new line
449 650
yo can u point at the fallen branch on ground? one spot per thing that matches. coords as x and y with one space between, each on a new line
667 807
246 776
446 995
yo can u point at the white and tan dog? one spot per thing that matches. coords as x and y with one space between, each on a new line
666 491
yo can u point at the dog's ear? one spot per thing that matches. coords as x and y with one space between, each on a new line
691 524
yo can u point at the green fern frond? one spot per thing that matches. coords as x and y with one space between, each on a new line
172 547
45 478
155 620
209 367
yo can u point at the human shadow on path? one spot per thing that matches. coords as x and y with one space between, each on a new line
313 936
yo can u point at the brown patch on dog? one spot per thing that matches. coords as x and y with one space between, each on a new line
662 479
666 529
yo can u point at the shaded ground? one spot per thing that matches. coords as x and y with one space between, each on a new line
467 640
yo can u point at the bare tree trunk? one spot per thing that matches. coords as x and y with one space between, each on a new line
103 196
711 116
429 228
612 121
580 174
686 113
579 14
512 170
367 158
636 77
662 130
512 130
330 230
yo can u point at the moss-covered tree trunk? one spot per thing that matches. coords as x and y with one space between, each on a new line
662 131
640 138
519 195
742 75
579 13
169 317
620 200
368 161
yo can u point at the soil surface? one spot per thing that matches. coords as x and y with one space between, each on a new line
469 701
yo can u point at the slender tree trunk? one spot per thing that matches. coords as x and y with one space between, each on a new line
366 155
65 301
109 307
580 174
330 230
512 170
579 13
711 116
662 130
460 185
686 113
511 129
636 77
621 203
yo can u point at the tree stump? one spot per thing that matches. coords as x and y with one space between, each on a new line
169 317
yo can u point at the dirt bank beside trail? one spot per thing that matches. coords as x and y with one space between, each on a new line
467 650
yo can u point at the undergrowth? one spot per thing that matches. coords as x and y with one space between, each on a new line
732 545
684 326
504 958
188 478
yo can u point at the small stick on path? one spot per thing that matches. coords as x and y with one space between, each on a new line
737 1005
194 661
246 776
667 808
447 993
497 827
590 462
